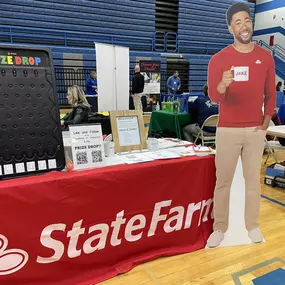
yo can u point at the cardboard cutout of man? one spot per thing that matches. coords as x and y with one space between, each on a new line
241 79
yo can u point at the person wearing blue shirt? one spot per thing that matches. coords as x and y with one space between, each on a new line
91 91
201 109
173 83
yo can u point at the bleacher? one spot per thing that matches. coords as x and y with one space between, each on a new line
202 25
71 27
80 23
198 74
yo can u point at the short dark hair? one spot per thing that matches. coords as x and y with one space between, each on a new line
235 8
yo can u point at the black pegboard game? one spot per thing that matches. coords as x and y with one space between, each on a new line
30 131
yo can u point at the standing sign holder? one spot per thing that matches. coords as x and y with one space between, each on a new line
128 130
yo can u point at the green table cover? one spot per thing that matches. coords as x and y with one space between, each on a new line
165 121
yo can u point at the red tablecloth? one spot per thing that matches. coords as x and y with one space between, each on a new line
84 227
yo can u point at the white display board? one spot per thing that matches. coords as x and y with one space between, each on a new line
87 146
129 131
113 68
105 67
122 78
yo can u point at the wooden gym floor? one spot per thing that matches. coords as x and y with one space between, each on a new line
223 266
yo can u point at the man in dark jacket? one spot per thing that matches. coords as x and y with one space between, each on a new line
137 88
201 109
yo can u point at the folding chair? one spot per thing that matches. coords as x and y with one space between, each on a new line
212 121
272 145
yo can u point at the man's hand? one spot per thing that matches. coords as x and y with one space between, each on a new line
228 77
227 80
62 123
261 127
265 124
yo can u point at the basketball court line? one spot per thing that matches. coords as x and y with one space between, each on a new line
239 274
273 200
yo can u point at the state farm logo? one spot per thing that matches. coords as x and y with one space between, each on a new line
11 260
121 230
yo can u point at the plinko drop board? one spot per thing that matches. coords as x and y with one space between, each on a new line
30 132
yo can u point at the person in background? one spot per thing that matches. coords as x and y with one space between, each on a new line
81 108
137 88
201 109
279 86
173 83
282 140
92 91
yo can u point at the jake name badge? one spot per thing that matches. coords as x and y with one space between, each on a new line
241 73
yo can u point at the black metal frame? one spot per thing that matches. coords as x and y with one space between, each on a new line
66 77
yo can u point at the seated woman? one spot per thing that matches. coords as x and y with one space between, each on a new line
81 108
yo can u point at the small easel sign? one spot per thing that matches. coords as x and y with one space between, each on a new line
128 130
87 146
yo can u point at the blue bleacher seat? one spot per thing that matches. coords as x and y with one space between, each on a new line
72 26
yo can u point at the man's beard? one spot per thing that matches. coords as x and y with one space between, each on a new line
243 41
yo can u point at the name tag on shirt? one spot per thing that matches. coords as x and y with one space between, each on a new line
241 73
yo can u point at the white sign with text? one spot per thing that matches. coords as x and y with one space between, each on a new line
87 146
128 130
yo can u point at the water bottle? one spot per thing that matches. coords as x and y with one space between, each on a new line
175 107
157 106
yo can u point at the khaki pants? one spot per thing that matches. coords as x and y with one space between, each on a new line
232 143
138 101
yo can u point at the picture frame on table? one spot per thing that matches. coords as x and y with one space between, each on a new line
128 130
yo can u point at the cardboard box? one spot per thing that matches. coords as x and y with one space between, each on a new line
274 177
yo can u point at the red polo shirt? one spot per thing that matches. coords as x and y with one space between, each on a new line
241 105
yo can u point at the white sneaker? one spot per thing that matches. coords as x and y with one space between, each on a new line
215 239
255 235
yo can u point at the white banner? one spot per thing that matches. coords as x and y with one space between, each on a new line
113 77
122 77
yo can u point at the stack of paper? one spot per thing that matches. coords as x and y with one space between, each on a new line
162 154
169 153
170 142
203 150
183 151
136 158
114 160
